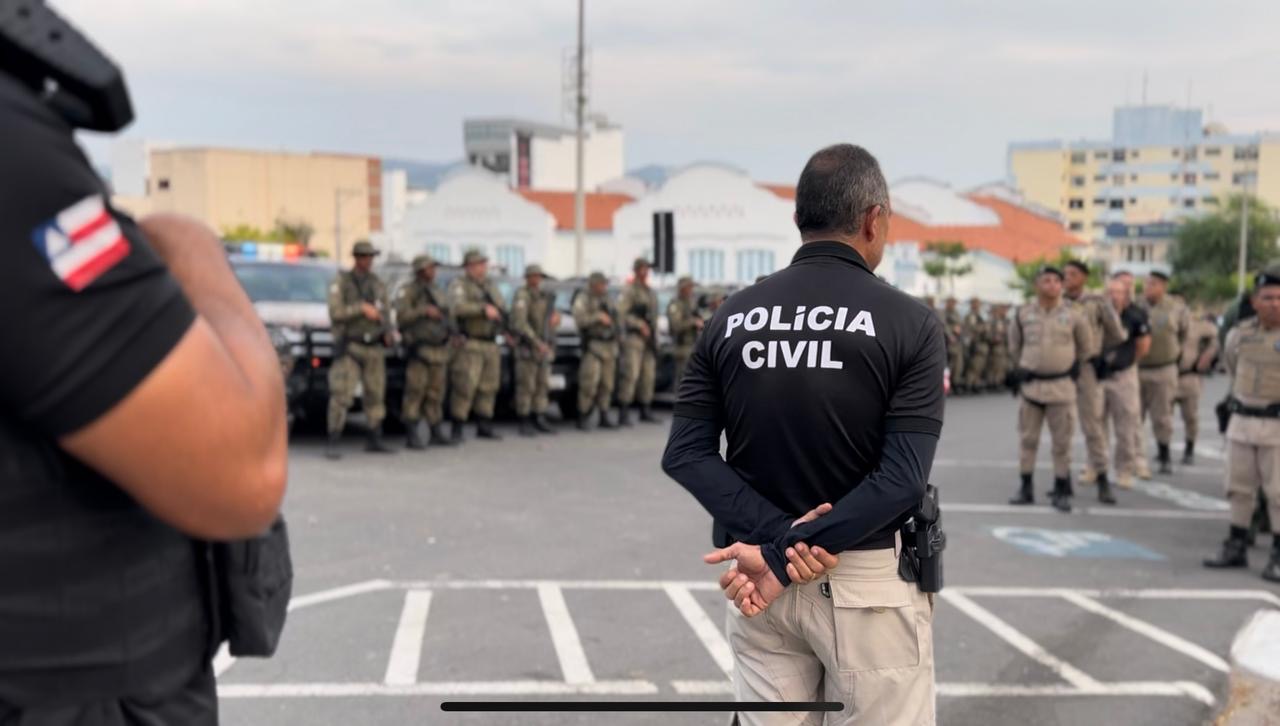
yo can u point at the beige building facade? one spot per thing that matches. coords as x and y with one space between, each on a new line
339 195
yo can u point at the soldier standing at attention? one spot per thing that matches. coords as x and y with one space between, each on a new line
1122 405
1048 339
534 320
1252 355
1104 332
597 323
975 332
1158 371
423 317
955 343
358 311
639 309
998 345
1198 353
684 324
477 307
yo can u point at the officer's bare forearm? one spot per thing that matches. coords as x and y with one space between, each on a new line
692 458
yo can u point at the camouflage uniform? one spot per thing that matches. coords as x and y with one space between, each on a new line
476 371
974 330
637 304
597 370
426 339
531 312
955 342
682 324
998 345
1105 332
361 354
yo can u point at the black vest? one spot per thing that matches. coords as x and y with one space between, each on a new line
98 599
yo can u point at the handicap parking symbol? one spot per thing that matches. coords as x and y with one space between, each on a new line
1072 543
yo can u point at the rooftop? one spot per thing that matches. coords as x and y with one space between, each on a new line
599 207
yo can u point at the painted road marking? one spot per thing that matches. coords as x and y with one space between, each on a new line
1142 627
406 648
564 636
1182 497
1072 543
707 632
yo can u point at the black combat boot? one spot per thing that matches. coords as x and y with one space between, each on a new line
1271 573
542 425
646 414
413 437
526 426
584 419
438 437
331 450
1061 496
1025 495
1189 453
484 430
456 434
1162 456
605 423
624 416
1104 489
374 442
1234 553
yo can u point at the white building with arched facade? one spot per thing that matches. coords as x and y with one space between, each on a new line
728 229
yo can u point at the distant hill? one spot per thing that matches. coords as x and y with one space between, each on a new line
654 175
421 174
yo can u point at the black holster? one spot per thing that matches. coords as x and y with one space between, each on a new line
922 544
251 583
1223 411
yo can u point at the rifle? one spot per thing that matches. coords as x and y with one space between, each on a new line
641 310
450 325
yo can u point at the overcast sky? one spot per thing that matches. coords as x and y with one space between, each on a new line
934 87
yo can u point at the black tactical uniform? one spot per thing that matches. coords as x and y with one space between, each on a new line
102 617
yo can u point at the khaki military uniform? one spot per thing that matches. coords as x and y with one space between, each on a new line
1202 341
955 344
598 369
531 312
637 304
1252 355
998 345
427 341
682 325
476 371
1048 343
360 353
1158 371
975 332
859 635
1105 331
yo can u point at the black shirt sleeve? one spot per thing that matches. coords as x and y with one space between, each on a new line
917 402
88 308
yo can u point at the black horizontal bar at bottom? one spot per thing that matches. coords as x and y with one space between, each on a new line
641 706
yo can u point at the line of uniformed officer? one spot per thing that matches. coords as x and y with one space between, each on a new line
977 345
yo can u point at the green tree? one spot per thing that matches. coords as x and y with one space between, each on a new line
946 259
1206 250
248 233
294 231
1025 273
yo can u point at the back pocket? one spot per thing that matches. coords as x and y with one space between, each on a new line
875 624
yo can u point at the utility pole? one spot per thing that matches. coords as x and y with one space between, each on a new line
579 199
1244 235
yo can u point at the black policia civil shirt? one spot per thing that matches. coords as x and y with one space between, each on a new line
828 384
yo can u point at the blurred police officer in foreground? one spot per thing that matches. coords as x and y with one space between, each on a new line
422 312
1122 404
476 304
1199 351
361 323
141 406
684 324
534 320
638 306
1252 356
1158 370
1104 332
597 322
828 384
1048 339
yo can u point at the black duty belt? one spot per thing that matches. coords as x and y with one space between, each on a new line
369 339
1154 366
1270 411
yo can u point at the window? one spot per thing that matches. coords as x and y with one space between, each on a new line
1116 204
1191 154
1243 177
512 258
162 184
1099 202
1101 154
1189 179
1212 151
1076 226
1133 154
1117 155
1099 177
1075 204
440 252
1173 177
1077 181
1099 225
1077 157
706 265
1211 201
1118 180
1175 153
1241 153
1133 177
1189 203
1132 201
754 263
1212 176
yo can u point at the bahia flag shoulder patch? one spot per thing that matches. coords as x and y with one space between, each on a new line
82 242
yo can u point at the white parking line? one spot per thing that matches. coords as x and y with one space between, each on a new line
1142 627
1133 688
564 636
1022 643
1147 594
702 626
406 648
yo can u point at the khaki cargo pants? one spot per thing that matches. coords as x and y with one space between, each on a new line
1188 400
1061 418
638 370
359 364
1253 463
1091 408
533 378
597 373
1122 407
476 376
860 636
425 377
1159 386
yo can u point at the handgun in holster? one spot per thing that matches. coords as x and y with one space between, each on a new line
922 544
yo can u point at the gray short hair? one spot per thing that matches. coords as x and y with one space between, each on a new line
837 187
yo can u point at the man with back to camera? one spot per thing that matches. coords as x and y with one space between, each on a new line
828 385
141 406
1122 405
